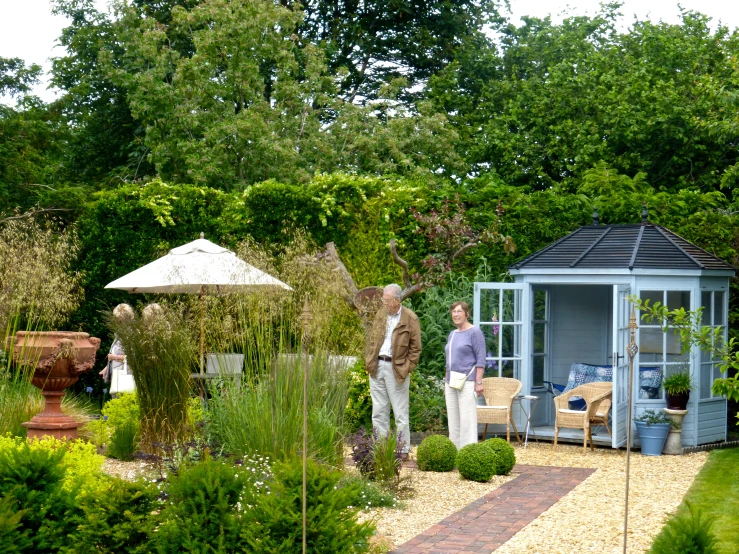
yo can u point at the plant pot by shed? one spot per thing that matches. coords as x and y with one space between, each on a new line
652 437
677 401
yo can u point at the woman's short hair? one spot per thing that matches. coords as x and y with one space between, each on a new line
123 312
465 307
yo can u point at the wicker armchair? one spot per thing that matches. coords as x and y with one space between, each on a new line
601 414
499 393
594 394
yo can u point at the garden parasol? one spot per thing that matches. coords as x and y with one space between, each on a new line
198 267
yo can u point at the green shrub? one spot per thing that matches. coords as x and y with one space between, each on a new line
687 532
386 454
13 537
79 462
436 453
427 409
477 462
123 441
358 413
202 513
506 455
275 521
119 518
31 481
368 494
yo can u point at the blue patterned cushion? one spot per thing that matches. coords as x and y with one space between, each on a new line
587 373
650 382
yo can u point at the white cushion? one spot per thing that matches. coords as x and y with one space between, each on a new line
492 407
572 412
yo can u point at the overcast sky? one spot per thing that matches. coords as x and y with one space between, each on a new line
29 31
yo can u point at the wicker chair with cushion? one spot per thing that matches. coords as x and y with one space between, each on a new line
499 393
594 394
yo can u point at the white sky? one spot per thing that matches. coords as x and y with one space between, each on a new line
29 31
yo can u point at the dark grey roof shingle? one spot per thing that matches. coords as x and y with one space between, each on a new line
622 247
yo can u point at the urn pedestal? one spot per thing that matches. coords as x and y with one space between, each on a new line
674 444
57 359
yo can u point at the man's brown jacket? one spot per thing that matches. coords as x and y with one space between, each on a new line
405 344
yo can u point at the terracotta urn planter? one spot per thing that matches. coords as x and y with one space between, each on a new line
57 359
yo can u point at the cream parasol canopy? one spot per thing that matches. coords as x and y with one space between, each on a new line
198 267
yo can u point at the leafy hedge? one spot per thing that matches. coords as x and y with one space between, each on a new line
124 229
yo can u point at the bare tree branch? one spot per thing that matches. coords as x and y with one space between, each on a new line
333 256
32 213
464 249
402 263
38 185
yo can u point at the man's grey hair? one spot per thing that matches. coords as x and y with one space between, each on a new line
395 290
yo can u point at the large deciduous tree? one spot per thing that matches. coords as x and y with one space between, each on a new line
559 98
250 101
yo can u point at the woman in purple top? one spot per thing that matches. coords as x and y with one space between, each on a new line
465 352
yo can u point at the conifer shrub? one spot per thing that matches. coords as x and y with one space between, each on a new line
477 462
273 524
203 509
506 455
436 453
31 483
120 517
687 532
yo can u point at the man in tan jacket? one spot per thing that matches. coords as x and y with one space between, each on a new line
393 349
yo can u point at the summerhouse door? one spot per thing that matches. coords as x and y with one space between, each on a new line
503 312
619 410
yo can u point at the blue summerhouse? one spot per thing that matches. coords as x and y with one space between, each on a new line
568 306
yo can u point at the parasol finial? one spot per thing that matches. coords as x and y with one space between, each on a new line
202 235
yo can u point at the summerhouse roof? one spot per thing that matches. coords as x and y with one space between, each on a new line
644 246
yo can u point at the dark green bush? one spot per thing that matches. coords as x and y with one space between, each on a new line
436 453
687 532
506 455
274 524
12 537
119 518
477 462
202 512
31 481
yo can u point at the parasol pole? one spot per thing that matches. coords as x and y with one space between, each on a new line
631 349
202 330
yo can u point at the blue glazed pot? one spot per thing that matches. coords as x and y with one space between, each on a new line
652 437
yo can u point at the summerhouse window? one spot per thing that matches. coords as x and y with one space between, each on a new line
541 334
714 315
501 323
660 352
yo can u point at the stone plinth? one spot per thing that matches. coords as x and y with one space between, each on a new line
674 444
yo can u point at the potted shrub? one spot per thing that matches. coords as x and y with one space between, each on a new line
653 428
677 390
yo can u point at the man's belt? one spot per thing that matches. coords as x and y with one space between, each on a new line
385 358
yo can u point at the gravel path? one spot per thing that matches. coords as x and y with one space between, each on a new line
588 519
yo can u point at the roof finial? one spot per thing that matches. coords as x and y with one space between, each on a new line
202 235
596 217
644 215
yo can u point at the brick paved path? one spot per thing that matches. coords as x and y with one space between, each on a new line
490 521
